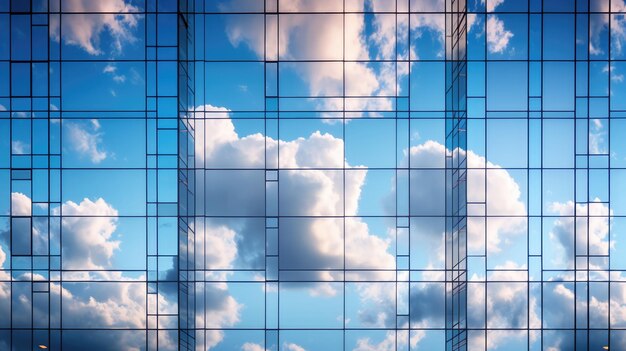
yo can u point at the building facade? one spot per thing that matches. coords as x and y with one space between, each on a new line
294 175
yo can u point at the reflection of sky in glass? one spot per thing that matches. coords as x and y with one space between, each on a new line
319 175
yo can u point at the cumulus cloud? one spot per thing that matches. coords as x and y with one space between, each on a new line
223 248
599 23
19 147
87 140
221 310
503 195
21 205
492 4
87 230
597 137
395 340
252 347
315 37
115 301
377 304
472 20
588 230
366 344
83 22
294 347
559 303
428 21
89 305
307 37
498 36
315 243
507 221
508 307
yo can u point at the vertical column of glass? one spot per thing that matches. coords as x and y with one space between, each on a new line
21 184
162 130
271 58
402 178
592 175
583 155
456 175
197 81
186 175
477 179
24 117
26 175
5 170
151 169
45 181
5 163
534 161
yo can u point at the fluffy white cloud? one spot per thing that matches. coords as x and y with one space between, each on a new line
428 21
498 36
377 304
21 205
397 340
87 230
388 344
492 4
294 347
83 21
316 37
597 137
307 37
221 247
87 140
19 147
315 243
590 230
503 196
89 305
598 23
252 347
221 311
472 19
115 301
507 305
215 249
560 300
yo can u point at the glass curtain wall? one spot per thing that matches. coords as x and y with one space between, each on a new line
294 175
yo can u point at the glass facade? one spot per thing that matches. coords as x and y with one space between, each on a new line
299 175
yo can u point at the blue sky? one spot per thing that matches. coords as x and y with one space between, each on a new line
346 168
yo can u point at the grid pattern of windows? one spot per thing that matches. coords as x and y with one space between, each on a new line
294 175
544 110
456 176
322 138
89 162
